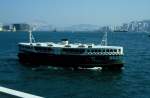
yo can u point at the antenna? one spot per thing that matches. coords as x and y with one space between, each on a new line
31 38
104 40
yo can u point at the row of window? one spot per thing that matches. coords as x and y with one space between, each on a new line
25 47
71 50
37 48
92 50
80 46
42 48
105 50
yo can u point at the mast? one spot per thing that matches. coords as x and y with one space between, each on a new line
104 40
30 36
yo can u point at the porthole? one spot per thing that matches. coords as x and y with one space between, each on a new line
99 50
111 50
92 50
107 50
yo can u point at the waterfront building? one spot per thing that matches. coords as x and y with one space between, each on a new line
21 27
6 27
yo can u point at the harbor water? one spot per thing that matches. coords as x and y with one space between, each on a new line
133 81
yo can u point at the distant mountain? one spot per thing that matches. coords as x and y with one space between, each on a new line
45 28
82 27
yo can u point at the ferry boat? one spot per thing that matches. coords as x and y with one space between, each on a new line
71 55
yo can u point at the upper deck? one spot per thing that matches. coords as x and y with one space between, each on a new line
66 48
62 45
75 48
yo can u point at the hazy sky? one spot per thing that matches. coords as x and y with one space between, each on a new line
72 12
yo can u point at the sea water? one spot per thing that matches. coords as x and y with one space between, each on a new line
133 81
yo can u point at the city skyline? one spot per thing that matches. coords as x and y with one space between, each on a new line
63 13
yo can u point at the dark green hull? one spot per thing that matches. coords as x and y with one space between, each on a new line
75 61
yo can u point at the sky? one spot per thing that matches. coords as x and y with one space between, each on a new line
73 12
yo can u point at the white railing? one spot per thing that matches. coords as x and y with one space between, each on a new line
17 93
104 53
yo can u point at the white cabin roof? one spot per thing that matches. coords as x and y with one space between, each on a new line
75 45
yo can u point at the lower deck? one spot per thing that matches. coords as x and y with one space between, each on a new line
84 61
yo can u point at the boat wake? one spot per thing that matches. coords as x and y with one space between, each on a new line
93 68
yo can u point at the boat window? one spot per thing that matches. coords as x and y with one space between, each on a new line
81 46
67 46
44 49
36 48
92 50
40 48
103 50
28 47
81 50
67 50
49 45
99 50
38 44
88 50
111 50
119 50
115 50
107 50
89 46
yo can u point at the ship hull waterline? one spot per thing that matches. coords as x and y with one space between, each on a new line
67 61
